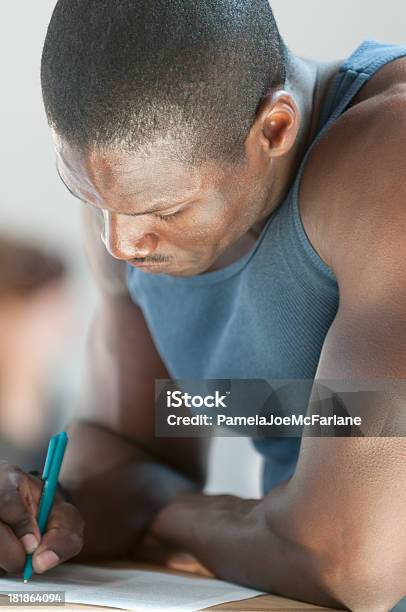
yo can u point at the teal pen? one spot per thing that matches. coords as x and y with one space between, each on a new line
50 475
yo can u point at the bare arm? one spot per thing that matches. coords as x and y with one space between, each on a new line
335 533
115 466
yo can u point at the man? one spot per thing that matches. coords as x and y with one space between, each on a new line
185 128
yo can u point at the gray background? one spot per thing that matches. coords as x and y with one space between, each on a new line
33 201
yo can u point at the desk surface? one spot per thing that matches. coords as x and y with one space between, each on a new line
263 603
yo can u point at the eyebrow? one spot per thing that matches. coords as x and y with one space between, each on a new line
153 209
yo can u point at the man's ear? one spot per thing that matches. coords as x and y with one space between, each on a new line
278 123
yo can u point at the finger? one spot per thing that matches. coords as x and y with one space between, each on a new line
153 550
62 540
188 563
12 554
19 499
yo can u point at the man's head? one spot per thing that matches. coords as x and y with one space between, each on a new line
151 103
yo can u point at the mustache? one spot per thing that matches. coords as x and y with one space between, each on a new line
153 259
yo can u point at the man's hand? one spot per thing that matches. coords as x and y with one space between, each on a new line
20 495
153 550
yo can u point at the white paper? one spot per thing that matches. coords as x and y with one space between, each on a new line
139 590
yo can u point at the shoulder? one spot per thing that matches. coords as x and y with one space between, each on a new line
353 191
109 273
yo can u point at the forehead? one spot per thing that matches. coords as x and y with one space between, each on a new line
119 179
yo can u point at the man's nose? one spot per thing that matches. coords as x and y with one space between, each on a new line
126 237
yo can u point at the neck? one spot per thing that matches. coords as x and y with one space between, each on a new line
308 82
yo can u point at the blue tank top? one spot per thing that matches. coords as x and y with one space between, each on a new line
267 314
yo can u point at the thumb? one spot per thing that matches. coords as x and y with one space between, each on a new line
62 540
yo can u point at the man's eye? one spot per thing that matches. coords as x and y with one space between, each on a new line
168 217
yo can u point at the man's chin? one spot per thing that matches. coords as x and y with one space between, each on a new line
186 271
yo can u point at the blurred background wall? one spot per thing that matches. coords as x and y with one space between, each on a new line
34 204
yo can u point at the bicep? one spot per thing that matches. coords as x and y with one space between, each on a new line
349 493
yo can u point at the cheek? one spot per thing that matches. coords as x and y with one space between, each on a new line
218 218
221 225
197 229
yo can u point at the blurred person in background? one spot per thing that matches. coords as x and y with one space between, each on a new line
34 321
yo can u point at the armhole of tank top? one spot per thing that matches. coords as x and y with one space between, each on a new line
303 238
359 79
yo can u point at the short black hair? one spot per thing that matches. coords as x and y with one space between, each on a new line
125 72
